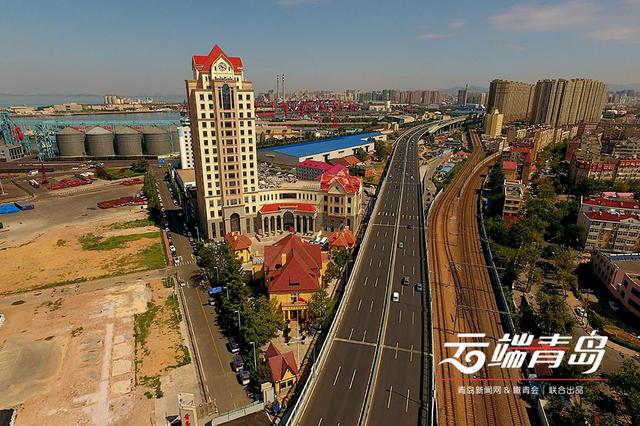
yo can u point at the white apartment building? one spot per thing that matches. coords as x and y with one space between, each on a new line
186 146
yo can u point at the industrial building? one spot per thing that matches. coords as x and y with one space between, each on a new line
321 150
122 141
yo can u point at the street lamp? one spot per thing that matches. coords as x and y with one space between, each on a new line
255 363
239 323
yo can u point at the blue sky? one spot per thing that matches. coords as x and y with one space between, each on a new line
145 47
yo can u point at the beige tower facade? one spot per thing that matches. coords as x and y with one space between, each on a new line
561 102
512 98
221 108
493 123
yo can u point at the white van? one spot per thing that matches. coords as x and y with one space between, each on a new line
395 296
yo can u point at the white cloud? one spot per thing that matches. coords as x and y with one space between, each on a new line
510 46
617 33
434 36
617 22
457 24
570 14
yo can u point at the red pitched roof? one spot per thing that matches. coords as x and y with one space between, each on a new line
237 241
351 184
203 63
610 217
301 269
279 363
601 201
313 164
509 165
298 207
343 238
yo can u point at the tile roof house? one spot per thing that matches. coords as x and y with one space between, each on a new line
240 244
283 367
293 270
342 239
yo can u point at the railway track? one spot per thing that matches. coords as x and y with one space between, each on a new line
459 278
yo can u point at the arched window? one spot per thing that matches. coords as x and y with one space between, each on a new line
226 97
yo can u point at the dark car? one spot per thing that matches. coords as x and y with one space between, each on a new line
233 345
244 377
405 280
238 363
418 286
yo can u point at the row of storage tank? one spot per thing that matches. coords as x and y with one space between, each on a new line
122 141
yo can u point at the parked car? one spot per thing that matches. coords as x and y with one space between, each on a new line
238 363
2 319
244 377
233 346
395 296
212 301
580 311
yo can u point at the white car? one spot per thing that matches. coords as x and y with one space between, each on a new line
395 296
2 319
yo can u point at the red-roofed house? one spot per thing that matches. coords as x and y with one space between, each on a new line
510 170
311 169
283 367
342 239
240 244
349 160
293 272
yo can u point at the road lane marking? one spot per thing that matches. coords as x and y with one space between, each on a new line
413 317
406 406
365 281
370 261
396 355
320 422
389 400
359 342
400 318
337 374
379 263
374 246
351 333
352 377
371 307
375 285
359 303
364 335
411 354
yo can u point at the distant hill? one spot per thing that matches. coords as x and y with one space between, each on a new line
618 87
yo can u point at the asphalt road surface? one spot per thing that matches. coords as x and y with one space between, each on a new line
219 380
351 384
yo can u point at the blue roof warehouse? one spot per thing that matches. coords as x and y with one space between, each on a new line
321 150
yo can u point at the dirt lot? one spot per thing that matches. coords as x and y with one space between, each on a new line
57 255
70 358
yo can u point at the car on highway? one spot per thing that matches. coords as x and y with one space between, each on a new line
409 226
238 363
244 377
418 286
400 244
395 296
233 345
405 280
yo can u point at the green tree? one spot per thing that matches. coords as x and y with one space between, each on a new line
320 309
380 148
261 320
361 154
626 381
139 166
340 258
331 273
554 315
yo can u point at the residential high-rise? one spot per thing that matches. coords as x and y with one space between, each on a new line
512 98
224 147
560 102
462 96
493 123
186 145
